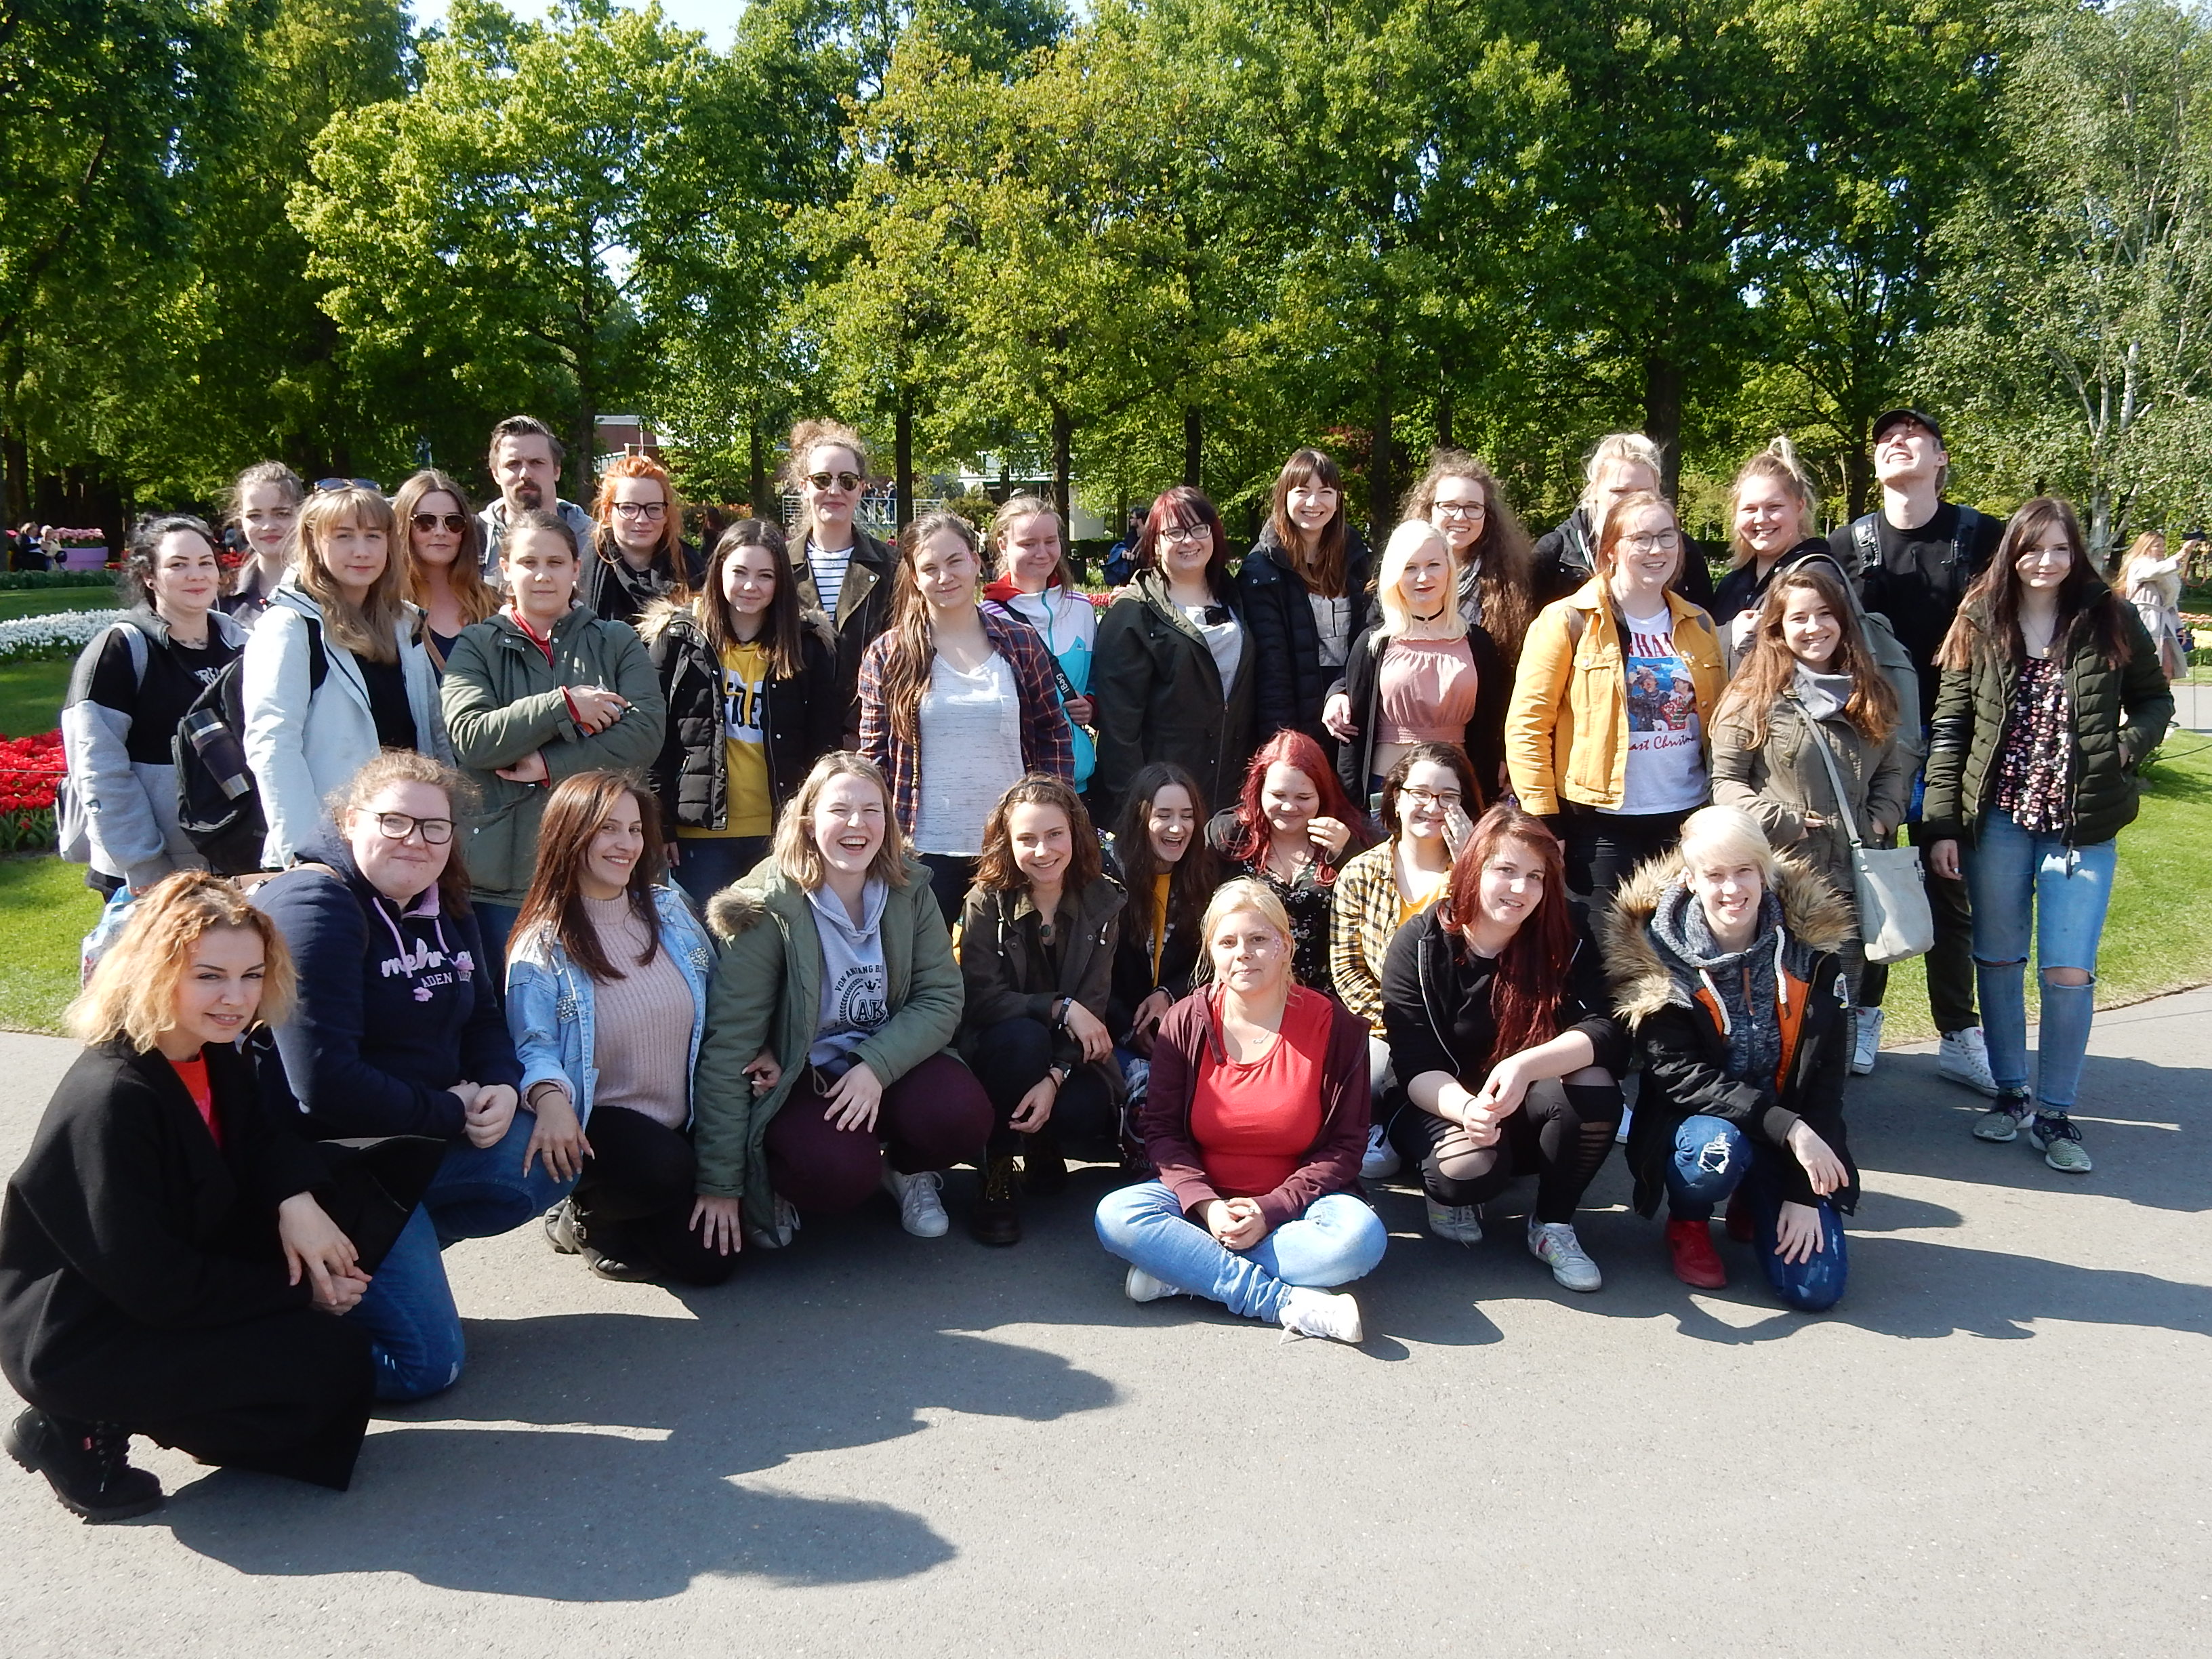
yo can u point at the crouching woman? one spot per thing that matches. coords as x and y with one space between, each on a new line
1724 962
1256 1118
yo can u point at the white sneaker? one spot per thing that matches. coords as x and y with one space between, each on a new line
1141 1287
1554 1244
1380 1161
1963 1057
1460 1222
1319 1313
921 1212
1866 1048
782 1226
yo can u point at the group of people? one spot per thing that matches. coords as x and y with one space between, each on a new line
669 901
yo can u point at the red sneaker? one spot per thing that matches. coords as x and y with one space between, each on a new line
1696 1262
1739 1217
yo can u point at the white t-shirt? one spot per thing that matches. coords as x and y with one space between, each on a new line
1666 749
970 727
828 570
1333 620
1224 640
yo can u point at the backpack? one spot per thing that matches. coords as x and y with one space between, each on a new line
1866 539
218 799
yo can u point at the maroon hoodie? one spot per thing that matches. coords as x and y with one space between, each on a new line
1331 1164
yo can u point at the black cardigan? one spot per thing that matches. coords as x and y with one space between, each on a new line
1485 727
1291 685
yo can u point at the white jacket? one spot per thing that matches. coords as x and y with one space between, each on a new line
303 747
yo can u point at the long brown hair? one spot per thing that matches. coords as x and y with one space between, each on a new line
1190 880
1507 579
579 805
1532 970
1989 616
1769 669
995 868
471 590
779 627
1320 566
914 643
668 551
368 630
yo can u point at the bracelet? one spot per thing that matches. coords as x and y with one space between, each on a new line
530 1100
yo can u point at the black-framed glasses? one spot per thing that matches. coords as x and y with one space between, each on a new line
1186 532
456 522
1654 541
842 480
654 511
1461 509
398 826
349 484
1421 797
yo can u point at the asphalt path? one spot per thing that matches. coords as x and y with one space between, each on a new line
870 1444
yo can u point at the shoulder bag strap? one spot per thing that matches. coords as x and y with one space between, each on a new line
1835 776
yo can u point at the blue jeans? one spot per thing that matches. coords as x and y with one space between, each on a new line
2019 880
1337 1240
713 862
496 921
1712 1158
477 1193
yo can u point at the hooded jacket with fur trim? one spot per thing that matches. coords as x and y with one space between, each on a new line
1680 1031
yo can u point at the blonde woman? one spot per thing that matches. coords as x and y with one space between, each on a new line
843 572
444 560
1773 526
334 671
1422 674
1035 585
263 506
1620 464
2152 583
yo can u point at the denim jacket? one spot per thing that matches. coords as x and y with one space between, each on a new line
551 1000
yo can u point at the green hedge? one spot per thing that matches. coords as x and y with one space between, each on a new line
12 580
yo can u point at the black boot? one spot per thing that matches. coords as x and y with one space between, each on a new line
1044 1169
604 1246
87 1464
995 1220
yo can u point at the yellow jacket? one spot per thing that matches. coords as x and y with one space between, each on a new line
1566 733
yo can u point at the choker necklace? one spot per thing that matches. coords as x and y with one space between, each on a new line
1416 617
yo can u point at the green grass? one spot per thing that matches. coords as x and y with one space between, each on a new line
45 601
45 910
2158 937
31 696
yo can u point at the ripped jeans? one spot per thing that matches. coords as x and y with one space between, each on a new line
1711 1158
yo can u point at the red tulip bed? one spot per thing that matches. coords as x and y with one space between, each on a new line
30 767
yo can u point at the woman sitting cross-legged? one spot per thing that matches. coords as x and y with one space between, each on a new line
397 1030
1724 963
167 1265
1037 937
1256 1119
1502 1033
836 951
606 995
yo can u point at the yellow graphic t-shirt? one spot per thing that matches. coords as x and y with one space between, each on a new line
744 684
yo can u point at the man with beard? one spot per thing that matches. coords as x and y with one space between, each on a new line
526 464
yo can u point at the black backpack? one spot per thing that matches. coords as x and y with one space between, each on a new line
218 799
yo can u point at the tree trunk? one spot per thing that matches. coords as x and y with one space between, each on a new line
765 504
1063 466
902 459
1858 477
1381 454
1445 409
1193 444
15 479
1662 418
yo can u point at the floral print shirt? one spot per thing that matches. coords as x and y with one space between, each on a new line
2035 767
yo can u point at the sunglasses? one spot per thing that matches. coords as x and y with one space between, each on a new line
842 480
349 484
456 522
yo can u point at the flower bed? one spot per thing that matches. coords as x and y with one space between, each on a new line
16 580
59 634
30 767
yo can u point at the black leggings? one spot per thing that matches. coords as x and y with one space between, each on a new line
1562 1132
1011 1058
1603 849
637 1194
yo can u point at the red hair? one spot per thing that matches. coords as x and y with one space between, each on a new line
1532 970
1248 841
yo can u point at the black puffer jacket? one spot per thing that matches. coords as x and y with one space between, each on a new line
610 590
1159 697
804 719
1291 683
2119 716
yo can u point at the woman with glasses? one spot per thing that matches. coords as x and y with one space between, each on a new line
638 554
1497 583
335 670
1611 710
1174 668
397 1030
263 506
1035 585
445 561
843 572
1306 598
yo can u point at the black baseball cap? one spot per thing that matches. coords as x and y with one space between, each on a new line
1890 417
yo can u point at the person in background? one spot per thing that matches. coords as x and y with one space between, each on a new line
1306 598
1490 549
1035 585
526 463
1503 1039
1167 872
1291 829
445 561
1722 959
1254 1119
540 689
636 554
1913 558
2152 583
1425 820
2051 697
1806 685
1613 705
335 670
1038 935
262 505
843 571
607 999
1120 561
132 686
955 704
1174 667
1621 463
1774 520
397 1031
826 1070
751 682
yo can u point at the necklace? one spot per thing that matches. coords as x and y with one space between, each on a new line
2038 635
1435 616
